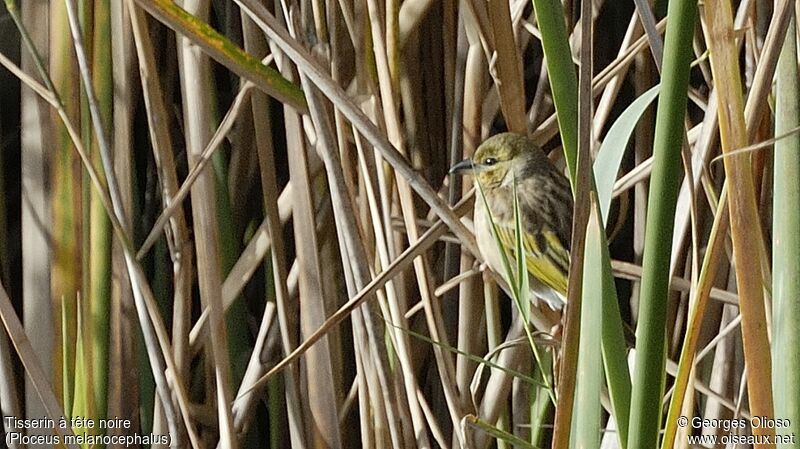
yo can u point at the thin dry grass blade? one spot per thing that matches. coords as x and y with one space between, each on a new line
39 380
507 67
745 222
470 302
161 139
195 73
277 210
323 421
123 397
583 185
36 142
697 312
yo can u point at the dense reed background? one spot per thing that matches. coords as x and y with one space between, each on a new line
230 221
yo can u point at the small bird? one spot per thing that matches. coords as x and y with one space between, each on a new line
545 211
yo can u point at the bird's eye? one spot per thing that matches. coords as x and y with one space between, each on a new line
489 161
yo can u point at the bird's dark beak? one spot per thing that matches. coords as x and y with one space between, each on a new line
464 166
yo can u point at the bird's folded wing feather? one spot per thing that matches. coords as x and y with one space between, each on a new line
546 258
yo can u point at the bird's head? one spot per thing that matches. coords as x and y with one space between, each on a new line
496 157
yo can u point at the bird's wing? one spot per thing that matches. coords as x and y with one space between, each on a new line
545 257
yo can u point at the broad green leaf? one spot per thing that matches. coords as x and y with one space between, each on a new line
609 156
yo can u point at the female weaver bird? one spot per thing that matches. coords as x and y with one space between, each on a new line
545 211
